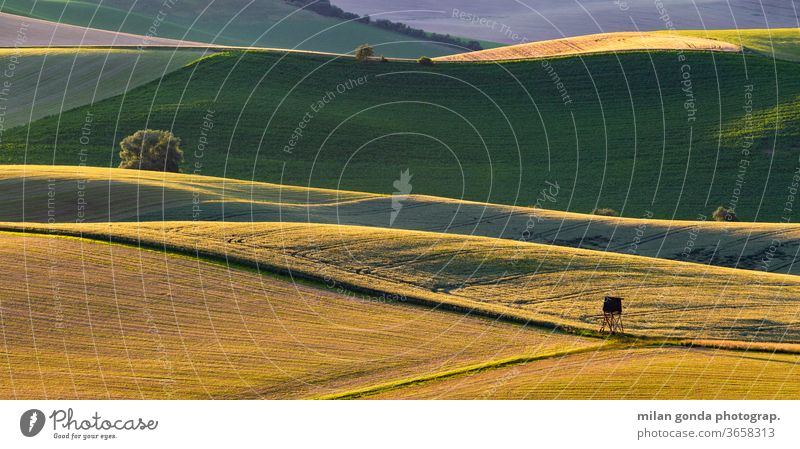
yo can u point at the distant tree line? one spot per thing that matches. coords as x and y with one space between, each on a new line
324 8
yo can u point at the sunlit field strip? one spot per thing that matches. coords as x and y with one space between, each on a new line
82 319
643 373
544 284
124 195
594 43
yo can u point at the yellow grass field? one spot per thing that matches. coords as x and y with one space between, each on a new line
543 284
102 195
82 319
594 43
653 373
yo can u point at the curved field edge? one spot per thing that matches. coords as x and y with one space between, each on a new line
50 81
388 387
540 285
267 23
628 148
778 43
106 195
622 373
139 324
594 43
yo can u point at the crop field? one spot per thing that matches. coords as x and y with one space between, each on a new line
264 23
627 116
394 228
656 373
89 194
594 43
47 82
22 32
546 285
128 323
779 43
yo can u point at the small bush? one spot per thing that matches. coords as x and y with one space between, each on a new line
724 214
364 53
605 211
151 149
424 60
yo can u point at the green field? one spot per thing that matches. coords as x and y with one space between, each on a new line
483 132
49 81
264 23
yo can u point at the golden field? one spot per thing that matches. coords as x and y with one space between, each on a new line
83 320
86 319
594 43
290 292
641 373
541 284
126 195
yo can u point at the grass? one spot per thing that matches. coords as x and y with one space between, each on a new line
84 320
630 146
265 23
47 82
646 373
544 285
131 195
780 43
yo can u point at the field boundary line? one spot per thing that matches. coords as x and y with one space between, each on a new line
310 280
467 370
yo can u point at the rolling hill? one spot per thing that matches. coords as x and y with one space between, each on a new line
623 131
197 329
62 194
20 32
264 23
545 285
778 43
511 21
594 43
137 324
49 81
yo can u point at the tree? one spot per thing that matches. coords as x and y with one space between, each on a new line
364 53
724 214
424 60
151 149
605 211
